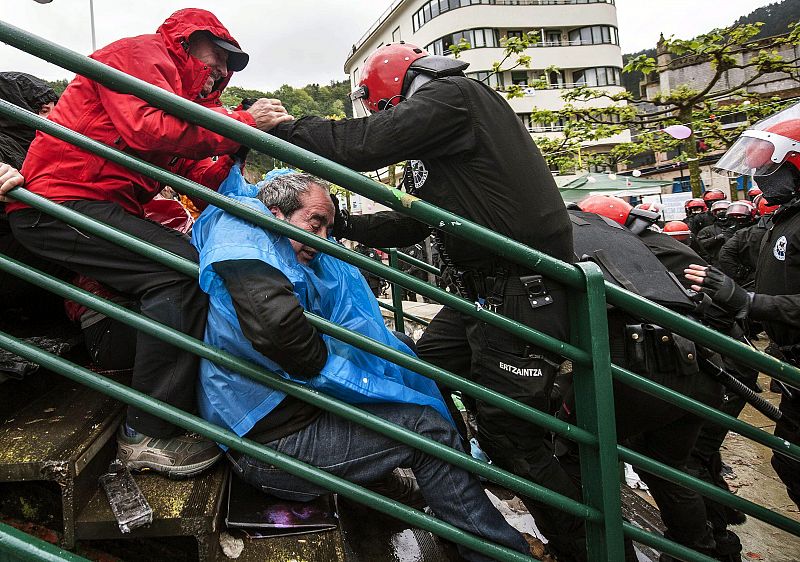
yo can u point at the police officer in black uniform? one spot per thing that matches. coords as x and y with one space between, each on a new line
768 152
469 154
712 237
653 266
739 255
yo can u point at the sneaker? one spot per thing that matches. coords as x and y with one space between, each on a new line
178 457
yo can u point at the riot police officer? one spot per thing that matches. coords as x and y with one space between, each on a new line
768 151
468 153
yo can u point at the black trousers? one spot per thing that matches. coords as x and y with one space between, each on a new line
166 296
502 362
666 434
788 469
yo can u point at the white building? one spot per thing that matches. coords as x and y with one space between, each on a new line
579 37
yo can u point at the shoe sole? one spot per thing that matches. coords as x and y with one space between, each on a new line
172 472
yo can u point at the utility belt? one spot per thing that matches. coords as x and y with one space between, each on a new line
648 349
488 288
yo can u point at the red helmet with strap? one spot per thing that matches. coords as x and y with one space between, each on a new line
677 229
612 208
763 208
753 192
695 204
713 195
741 209
389 71
720 207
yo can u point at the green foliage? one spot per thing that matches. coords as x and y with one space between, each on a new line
695 104
331 101
58 85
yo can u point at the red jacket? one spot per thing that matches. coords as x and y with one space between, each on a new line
60 171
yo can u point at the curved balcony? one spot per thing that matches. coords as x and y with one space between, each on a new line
434 8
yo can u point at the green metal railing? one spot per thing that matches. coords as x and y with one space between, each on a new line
595 432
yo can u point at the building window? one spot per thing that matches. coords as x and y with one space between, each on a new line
514 34
519 77
600 76
435 8
477 38
552 38
594 35
396 34
491 79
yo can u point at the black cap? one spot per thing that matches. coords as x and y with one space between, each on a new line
237 58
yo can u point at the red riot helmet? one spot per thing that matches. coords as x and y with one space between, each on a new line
679 230
694 206
720 207
743 210
763 208
753 192
652 207
764 147
388 73
713 195
612 208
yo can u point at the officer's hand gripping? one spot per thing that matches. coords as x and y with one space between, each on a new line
720 288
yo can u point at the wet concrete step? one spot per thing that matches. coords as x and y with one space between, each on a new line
327 546
186 508
63 436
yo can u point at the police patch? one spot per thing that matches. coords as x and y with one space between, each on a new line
414 176
779 251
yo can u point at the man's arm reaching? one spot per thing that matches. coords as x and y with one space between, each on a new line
271 316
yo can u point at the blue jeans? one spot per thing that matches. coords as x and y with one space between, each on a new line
364 457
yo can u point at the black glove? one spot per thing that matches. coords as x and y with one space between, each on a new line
341 222
726 293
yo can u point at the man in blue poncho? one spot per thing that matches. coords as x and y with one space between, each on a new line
259 285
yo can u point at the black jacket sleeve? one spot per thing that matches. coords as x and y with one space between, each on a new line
385 229
776 308
434 122
728 259
271 316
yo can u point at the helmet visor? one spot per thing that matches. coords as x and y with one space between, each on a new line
757 153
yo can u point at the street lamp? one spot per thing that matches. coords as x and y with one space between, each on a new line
91 19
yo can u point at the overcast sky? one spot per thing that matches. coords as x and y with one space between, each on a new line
304 41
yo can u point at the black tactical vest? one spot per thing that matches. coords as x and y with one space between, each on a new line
626 261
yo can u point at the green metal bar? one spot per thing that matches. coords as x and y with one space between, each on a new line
18 545
255 450
707 412
423 265
411 317
266 377
284 151
271 223
594 399
190 269
664 545
395 199
397 294
728 347
454 382
710 491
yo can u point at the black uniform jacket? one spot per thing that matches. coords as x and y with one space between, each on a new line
475 159
777 298
673 254
739 255
711 238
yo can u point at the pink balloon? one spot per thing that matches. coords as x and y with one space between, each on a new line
679 132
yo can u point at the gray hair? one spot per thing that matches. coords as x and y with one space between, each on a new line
284 191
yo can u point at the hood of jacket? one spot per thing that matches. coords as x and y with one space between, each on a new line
175 33
27 92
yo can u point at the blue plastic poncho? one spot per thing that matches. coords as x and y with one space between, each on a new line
327 287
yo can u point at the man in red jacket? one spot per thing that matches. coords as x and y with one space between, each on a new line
192 55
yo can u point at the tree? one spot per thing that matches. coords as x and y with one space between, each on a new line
726 50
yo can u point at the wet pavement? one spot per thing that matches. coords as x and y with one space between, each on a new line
754 479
